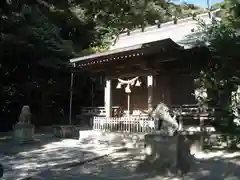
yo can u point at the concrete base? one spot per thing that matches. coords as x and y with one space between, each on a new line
65 131
184 156
169 154
128 140
161 151
23 133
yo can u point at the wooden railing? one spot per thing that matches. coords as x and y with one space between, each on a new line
97 111
124 124
193 114
117 111
185 110
92 111
190 116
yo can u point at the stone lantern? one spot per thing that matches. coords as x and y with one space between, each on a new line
24 130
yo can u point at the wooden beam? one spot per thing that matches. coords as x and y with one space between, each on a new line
132 74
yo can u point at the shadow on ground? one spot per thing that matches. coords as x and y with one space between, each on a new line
47 153
216 166
60 159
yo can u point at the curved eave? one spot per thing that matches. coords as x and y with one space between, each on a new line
126 52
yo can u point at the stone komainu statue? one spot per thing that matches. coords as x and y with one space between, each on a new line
166 121
25 116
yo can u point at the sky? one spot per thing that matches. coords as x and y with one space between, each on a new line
202 3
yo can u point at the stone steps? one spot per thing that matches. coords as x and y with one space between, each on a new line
129 140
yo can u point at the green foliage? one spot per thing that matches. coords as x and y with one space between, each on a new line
221 77
92 50
113 18
217 6
230 12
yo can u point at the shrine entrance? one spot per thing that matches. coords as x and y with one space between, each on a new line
136 79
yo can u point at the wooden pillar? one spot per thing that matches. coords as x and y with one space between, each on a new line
108 98
129 104
70 100
150 92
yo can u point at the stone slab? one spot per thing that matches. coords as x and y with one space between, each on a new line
128 140
65 131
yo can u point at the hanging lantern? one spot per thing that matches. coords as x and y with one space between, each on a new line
138 83
127 89
119 86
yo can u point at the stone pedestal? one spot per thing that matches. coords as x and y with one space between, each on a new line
167 153
23 133
161 152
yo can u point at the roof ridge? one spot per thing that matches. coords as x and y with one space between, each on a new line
166 24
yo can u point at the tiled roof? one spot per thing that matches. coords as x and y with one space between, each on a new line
181 33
